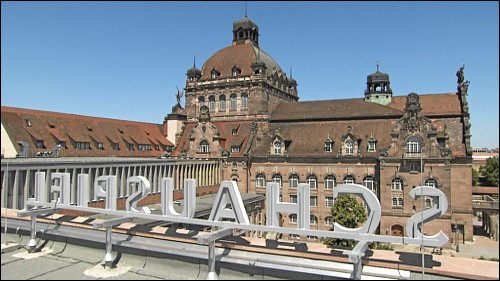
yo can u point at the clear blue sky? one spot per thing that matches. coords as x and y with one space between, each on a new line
124 60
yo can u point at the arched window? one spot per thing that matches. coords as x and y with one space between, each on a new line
204 148
394 201
369 183
201 101
211 103
277 179
397 184
260 180
431 182
244 101
312 181
222 103
293 181
329 221
349 179
233 104
329 182
313 219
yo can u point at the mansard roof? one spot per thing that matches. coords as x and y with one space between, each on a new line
28 125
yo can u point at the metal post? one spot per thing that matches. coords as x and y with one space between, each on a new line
108 257
32 243
423 207
212 274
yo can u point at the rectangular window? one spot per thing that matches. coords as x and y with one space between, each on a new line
293 198
100 146
144 147
116 146
235 148
329 201
371 146
83 145
313 200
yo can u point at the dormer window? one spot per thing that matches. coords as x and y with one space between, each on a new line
372 143
277 147
39 144
328 144
235 71
204 147
214 73
348 147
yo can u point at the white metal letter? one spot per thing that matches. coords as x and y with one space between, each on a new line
229 193
167 198
438 209
106 186
144 188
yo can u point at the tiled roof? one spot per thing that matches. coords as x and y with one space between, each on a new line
52 127
432 104
225 129
306 125
346 109
241 56
332 109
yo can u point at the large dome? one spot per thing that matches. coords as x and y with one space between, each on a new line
242 56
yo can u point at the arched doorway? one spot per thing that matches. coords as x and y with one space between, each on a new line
397 230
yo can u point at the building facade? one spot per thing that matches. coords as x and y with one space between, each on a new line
242 108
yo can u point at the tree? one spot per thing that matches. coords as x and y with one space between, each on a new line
475 177
347 212
490 171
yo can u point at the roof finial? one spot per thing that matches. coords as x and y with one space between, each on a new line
194 61
378 64
290 72
245 9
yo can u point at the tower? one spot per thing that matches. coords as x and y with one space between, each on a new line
378 88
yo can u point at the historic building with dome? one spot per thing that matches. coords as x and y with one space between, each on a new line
243 111
242 107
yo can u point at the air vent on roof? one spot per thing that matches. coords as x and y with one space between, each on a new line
89 128
119 130
28 123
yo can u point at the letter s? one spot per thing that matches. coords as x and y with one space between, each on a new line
438 209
